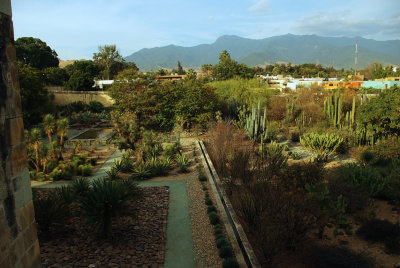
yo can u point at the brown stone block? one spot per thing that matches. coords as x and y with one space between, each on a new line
10 52
30 213
31 255
4 240
18 159
5 263
22 219
16 131
30 236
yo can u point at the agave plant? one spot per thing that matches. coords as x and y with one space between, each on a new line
142 171
66 194
112 174
105 200
48 210
183 162
323 144
80 186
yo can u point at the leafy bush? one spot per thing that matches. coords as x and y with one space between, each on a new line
183 162
170 150
211 209
367 157
66 194
367 178
214 219
59 174
274 157
225 251
323 144
95 106
355 197
49 210
222 242
105 200
80 186
295 136
202 177
84 170
142 172
334 256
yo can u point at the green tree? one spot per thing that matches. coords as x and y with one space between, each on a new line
228 68
55 76
191 74
62 129
82 75
34 139
35 52
49 125
180 69
34 96
107 55
381 115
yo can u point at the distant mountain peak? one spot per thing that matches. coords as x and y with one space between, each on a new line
296 49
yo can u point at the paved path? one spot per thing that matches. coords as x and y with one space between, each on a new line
179 248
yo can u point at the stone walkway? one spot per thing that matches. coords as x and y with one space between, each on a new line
179 248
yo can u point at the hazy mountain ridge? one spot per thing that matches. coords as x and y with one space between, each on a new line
298 49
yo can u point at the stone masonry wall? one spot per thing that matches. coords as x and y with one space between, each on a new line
19 246
66 97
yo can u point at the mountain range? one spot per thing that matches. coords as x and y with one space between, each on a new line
338 52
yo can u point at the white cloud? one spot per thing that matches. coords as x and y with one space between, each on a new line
260 7
344 24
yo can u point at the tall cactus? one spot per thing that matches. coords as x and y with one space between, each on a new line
256 124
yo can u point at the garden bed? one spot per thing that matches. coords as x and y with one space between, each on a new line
138 237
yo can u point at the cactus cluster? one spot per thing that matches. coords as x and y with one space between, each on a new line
333 105
256 124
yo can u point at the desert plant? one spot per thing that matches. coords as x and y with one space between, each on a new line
49 125
202 177
48 210
323 144
66 194
84 170
80 186
225 251
221 242
367 178
183 162
274 157
142 172
112 174
105 200
367 157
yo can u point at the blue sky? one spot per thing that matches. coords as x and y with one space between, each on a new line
75 28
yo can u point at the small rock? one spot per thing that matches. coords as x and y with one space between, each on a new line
397 265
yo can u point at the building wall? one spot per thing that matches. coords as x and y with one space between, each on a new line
19 246
65 97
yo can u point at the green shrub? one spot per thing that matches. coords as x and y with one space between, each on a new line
112 174
322 144
84 170
218 231
49 210
295 136
367 178
230 262
142 172
208 202
225 251
170 150
354 196
222 242
80 186
95 106
202 177
211 209
59 174
66 194
51 165
105 200
367 157
275 158
183 162
214 219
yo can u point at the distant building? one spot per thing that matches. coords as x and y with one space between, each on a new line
170 77
102 84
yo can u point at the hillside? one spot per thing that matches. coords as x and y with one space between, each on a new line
298 49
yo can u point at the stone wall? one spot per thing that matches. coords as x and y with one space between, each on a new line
19 246
64 97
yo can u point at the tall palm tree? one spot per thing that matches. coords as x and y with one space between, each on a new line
49 125
35 141
62 129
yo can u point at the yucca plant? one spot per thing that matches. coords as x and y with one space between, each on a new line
183 162
323 144
275 157
66 194
105 200
112 174
142 172
80 186
49 210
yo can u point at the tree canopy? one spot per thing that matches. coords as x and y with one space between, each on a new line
35 52
106 57
33 95
82 75
228 68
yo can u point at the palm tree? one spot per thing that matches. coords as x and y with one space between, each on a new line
49 125
35 141
62 129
